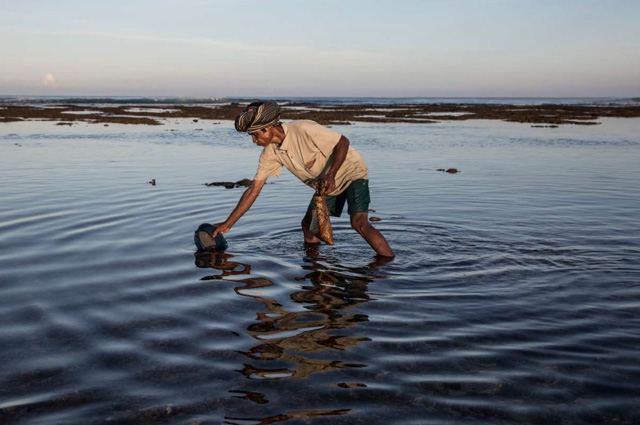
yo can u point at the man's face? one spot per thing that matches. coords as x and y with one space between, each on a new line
262 137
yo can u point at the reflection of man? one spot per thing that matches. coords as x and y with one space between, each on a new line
311 152
288 335
220 261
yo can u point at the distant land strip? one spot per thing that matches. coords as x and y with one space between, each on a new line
538 115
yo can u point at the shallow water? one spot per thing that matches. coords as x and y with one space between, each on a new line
514 297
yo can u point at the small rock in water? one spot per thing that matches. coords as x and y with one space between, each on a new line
152 182
375 219
449 170
231 185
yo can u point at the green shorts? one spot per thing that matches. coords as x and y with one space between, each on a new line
356 195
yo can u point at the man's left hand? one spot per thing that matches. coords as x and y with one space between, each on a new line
327 185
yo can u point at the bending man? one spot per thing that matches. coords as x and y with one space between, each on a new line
312 153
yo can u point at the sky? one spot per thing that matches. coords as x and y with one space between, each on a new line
252 48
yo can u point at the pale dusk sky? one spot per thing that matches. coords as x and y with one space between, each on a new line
214 48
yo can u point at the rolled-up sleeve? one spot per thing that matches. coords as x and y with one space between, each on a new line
268 165
325 139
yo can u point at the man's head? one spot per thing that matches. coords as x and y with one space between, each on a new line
258 115
260 120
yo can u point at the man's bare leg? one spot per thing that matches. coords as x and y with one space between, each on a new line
360 223
306 225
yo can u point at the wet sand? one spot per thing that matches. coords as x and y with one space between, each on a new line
538 115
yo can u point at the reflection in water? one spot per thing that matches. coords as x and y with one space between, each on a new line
299 414
251 396
220 261
290 336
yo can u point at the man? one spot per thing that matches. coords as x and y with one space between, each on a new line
312 153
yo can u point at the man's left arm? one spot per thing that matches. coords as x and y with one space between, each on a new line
339 155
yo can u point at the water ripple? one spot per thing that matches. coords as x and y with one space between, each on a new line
514 296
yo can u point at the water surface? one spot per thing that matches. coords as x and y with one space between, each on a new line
514 297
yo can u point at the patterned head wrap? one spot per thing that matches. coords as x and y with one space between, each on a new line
258 115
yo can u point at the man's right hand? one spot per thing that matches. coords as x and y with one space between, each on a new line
221 228
245 202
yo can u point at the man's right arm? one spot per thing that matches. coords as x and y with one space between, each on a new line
245 202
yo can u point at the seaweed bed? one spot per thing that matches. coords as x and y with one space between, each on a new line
537 115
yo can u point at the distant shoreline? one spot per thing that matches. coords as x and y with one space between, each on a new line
137 111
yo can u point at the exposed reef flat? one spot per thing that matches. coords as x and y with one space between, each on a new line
538 115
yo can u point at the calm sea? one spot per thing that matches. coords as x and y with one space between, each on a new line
514 297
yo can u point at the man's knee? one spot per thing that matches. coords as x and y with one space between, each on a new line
359 222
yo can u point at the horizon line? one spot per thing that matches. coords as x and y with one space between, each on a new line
317 97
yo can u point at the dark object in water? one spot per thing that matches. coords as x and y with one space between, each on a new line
449 170
152 182
231 185
375 219
204 240
350 385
